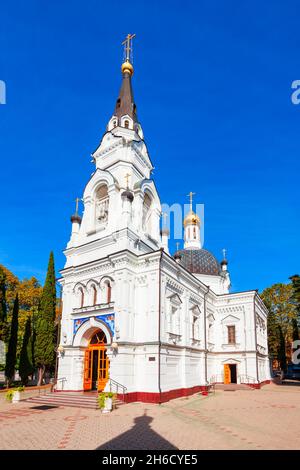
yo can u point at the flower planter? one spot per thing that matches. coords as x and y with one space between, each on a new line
16 397
107 405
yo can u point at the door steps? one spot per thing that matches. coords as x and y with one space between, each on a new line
72 399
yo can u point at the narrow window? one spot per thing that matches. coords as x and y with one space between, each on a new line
126 124
194 233
81 297
194 327
108 292
231 334
94 295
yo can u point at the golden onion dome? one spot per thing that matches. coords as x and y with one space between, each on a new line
127 67
191 219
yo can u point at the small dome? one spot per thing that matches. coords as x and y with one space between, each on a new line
191 219
76 218
199 261
128 195
127 67
165 231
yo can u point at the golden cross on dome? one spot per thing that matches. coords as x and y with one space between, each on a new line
77 202
128 47
190 195
127 176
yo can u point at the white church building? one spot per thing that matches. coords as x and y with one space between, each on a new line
136 319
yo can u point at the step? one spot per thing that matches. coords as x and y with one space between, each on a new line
72 400
233 387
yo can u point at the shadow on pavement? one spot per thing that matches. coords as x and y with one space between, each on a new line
139 437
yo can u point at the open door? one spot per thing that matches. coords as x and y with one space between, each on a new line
227 374
87 381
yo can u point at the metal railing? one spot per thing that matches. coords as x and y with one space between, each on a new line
217 378
115 386
54 384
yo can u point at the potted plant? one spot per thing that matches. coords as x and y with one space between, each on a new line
14 395
105 400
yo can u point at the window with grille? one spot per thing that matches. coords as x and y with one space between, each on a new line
231 334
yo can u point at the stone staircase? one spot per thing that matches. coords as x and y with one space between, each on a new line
232 387
72 399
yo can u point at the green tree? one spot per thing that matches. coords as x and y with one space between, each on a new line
26 362
281 352
3 308
11 354
273 335
296 293
45 329
282 311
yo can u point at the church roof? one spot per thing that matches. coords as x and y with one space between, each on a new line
199 261
125 104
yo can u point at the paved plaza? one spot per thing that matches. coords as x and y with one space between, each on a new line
256 419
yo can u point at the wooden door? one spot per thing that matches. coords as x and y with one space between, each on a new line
102 369
227 374
87 381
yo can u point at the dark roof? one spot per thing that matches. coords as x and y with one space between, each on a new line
125 102
199 261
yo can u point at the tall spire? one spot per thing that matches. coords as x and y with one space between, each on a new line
125 103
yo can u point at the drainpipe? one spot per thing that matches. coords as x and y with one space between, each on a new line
159 315
255 339
205 341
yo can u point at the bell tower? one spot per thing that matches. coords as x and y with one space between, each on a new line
121 205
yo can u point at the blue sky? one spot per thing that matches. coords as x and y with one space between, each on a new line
212 85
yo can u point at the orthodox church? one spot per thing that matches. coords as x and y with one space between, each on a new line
135 319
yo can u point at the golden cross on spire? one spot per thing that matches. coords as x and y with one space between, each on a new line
190 195
128 47
127 176
77 202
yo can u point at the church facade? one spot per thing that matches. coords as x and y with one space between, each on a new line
135 319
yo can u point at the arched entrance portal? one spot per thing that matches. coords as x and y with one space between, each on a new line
96 363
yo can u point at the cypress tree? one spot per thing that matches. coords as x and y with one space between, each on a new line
11 354
45 330
26 366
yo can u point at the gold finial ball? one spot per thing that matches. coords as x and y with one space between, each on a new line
191 219
127 67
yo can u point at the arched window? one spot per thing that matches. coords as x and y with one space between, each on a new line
81 297
98 338
126 124
147 213
94 291
115 123
194 230
102 201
